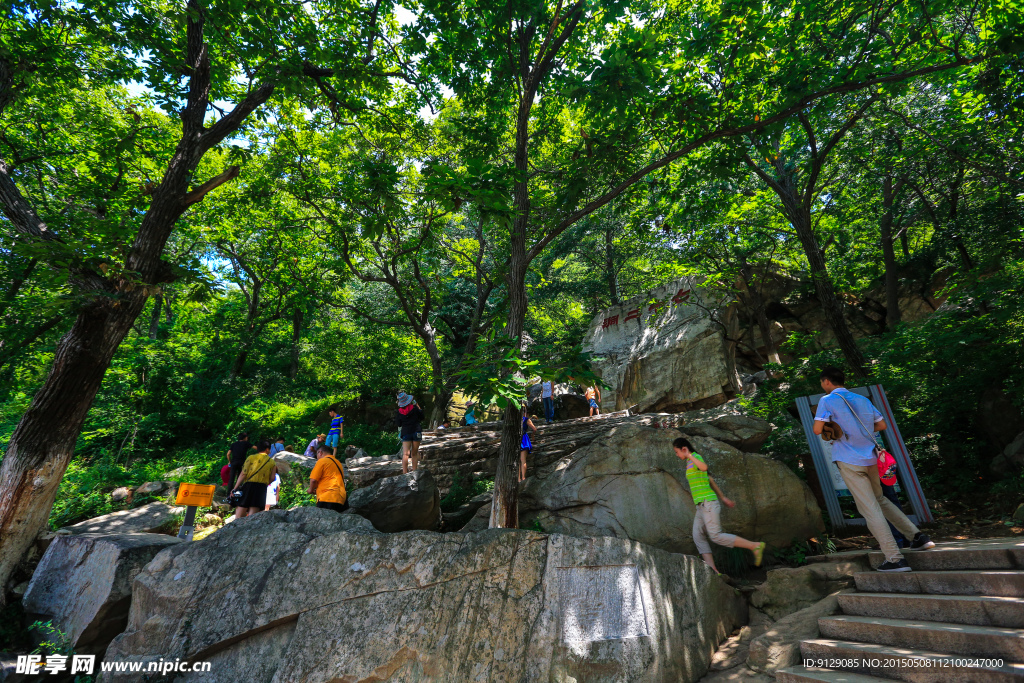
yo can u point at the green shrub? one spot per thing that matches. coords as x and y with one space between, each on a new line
460 492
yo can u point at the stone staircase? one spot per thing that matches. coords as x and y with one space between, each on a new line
959 616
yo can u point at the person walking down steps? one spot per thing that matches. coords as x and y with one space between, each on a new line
707 519
856 455
408 418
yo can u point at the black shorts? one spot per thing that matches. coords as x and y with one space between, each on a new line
337 507
253 495
415 436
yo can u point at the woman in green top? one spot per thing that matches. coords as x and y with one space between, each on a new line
707 518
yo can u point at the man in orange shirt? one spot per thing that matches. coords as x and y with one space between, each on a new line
327 481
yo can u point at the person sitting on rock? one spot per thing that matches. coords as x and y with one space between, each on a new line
311 449
257 472
593 396
470 413
327 481
707 518
408 418
525 445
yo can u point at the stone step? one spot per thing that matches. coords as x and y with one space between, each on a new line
808 674
978 610
905 664
955 639
995 553
1007 584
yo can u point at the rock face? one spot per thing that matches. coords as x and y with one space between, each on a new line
295 459
84 583
153 487
666 356
790 589
400 503
629 484
322 603
145 519
472 452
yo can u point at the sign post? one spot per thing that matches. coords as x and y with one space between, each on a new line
832 485
194 496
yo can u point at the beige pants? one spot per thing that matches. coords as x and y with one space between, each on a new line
864 484
707 521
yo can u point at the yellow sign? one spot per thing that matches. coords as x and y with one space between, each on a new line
200 495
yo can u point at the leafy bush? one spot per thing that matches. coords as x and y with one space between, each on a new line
460 492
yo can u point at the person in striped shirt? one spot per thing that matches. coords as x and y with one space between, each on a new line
707 518
336 432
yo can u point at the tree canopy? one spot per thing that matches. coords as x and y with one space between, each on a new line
220 215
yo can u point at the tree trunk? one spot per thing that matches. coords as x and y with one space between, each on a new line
505 504
154 318
609 264
239 363
44 440
892 284
831 306
293 369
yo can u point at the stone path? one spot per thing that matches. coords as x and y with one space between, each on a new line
472 451
959 616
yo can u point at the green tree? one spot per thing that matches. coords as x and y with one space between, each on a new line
210 64
578 125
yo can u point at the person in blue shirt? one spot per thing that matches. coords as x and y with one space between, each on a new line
854 455
470 413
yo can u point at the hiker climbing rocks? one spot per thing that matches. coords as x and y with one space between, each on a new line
408 418
593 396
525 445
709 499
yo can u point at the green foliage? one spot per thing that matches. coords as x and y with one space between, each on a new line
14 637
498 373
53 640
461 492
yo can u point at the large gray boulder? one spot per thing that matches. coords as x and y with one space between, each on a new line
323 602
669 359
84 584
400 503
630 484
789 589
145 519
298 459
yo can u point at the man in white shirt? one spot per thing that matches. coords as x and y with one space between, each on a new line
547 391
854 455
